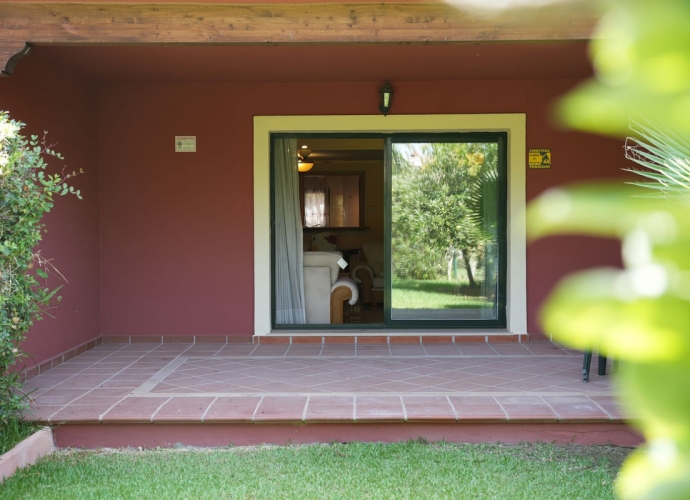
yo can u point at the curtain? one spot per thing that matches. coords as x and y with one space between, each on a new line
315 202
289 279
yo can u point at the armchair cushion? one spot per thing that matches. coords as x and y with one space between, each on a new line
324 259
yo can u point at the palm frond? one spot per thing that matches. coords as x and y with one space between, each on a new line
665 157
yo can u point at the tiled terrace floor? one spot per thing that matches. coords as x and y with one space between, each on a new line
242 383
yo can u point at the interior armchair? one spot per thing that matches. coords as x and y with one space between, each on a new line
325 292
369 272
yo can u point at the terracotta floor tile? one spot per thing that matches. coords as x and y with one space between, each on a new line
476 350
428 408
232 409
41 413
84 381
84 414
270 350
526 407
441 350
60 396
477 408
235 350
134 409
183 409
330 409
511 349
388 408
103 401
610 405
575 408
281 409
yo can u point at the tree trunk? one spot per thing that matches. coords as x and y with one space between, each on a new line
468 267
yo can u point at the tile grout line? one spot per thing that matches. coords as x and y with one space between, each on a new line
323 343
208 408
402 403
492 348
84 369
530 350
159 409
100 417
423 348
558 416
221 347
93 388
255 347
257 408
304 412
452 407
501 406
600 407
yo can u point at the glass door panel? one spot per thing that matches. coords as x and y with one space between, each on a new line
447 231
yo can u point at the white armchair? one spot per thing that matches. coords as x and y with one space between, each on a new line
324 292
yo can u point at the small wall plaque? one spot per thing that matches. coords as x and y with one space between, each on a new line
540 158
185 144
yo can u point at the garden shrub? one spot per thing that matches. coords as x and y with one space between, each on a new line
26 194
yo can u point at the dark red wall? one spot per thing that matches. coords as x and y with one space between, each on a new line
48 98
163 241
176 232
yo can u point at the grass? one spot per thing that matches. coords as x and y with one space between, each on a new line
13 431
339 471
435 294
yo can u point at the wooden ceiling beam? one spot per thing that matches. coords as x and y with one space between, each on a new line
109 23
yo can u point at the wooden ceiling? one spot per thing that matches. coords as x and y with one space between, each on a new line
115 24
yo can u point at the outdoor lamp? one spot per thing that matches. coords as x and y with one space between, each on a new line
385 96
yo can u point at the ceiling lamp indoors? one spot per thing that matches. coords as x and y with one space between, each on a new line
302 155
385 98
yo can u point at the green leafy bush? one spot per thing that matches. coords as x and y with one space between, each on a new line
26 194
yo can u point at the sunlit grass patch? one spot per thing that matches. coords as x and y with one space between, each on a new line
436 294
354 470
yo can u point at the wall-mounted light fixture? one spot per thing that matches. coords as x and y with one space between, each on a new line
302 155
385 98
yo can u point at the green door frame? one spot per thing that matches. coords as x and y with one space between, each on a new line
513 124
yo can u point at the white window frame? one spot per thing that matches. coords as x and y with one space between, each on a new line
515 124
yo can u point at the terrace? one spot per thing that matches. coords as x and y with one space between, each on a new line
216 394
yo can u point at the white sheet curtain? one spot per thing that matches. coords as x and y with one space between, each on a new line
315 202
289 280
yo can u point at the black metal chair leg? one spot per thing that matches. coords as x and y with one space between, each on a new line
585 366
602 365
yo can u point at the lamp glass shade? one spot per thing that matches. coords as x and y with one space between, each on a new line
304 166
385 97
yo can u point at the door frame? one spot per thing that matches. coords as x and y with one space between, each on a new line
513 123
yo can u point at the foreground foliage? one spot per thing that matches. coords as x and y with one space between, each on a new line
640 314
26 194
355 470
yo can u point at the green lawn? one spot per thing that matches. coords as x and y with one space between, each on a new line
413 470
434 294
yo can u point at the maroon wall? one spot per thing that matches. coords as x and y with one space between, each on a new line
176 228
48 98
163 241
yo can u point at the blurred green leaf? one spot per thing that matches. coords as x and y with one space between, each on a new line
601 309
641 55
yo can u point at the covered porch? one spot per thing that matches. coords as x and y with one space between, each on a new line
219 394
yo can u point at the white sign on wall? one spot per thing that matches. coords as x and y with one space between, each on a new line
185 144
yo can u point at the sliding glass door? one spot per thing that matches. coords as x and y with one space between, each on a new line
447 248
427 247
